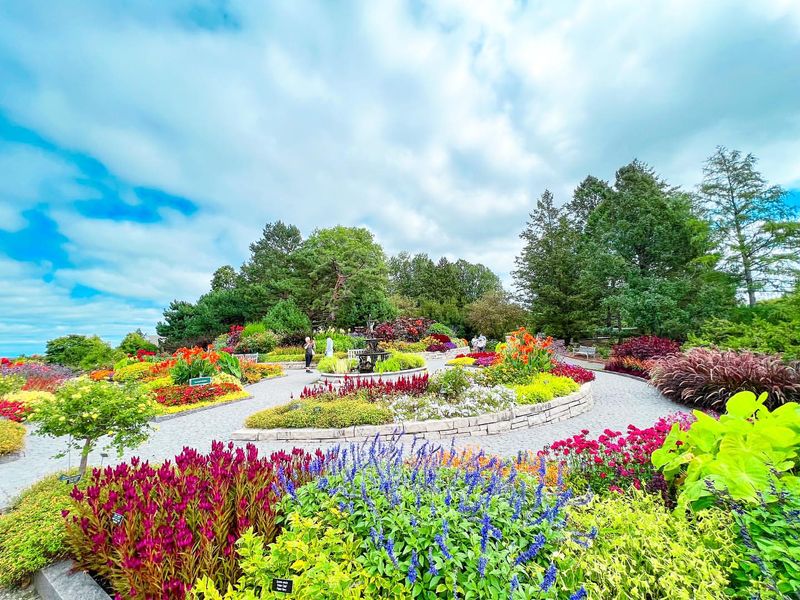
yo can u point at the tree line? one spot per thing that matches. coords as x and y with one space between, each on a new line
639 253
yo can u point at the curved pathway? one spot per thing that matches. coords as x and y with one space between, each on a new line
618 402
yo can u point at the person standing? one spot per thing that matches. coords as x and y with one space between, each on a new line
309 346
329 346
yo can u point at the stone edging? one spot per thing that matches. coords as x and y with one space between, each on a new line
60 582
519 417
390 374
11 456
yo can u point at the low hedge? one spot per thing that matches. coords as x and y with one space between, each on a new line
544 387
278 357
12 436
400 361
312 413
32 532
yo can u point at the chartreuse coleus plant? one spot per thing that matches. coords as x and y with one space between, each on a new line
741 452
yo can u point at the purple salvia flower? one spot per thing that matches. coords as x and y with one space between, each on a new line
389 545
579 595
443 547
482 566
549 578
431 565
412 568
532 551
514 587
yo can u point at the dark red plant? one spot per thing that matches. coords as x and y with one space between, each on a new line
707 378
646 347
577 374
410 386
151 532
234 335
404 329
179 395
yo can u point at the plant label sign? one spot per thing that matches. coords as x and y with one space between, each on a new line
195 381
117 518
282 585
70 478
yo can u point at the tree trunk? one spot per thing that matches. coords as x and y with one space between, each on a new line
87 446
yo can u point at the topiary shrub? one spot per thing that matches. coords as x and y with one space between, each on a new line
707 378
311 413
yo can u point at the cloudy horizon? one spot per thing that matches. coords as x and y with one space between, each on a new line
145 144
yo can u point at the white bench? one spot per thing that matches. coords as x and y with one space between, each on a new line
353 354
587 351
247 357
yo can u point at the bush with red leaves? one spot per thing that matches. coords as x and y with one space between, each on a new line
646 347
578 374
707 378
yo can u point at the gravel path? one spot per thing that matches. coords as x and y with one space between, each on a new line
618 402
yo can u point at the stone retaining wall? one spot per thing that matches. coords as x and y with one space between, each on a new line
518 417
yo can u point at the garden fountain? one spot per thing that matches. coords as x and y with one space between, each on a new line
371 355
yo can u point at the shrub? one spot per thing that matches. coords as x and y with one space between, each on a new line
253 372
629 366
81 352
400 346
11 383
341 341
463 531
260 342
134 342
615 460
331 364
334 571
739 453
253 328
403 329
543 388
642 551
87 410
324 414
707 378
646 347
32 531
12 436
449 384
441 329
462 361
181 395
399 361
181 520
132 372
578 374
287 320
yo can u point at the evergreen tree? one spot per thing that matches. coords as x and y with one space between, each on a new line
756 228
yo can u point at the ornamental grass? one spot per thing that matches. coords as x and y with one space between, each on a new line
150 532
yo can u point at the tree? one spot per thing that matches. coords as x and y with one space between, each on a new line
548 271
493 315
755 226
135 341
287 320
81 352
475 280
224 278
586 197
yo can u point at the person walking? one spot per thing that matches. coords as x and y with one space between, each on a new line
309 346
329 346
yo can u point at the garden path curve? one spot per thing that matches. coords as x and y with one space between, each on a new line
618 402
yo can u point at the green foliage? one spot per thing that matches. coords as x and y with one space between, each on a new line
81 352
441 329
12 436
642 551
253 328
400 361
183 371
494 315
450 383
287 320
135 341
229 364
331 364
86 411
314 413
341 341
739 453
32 531
322 560
132 372
543 387
10 383
259 342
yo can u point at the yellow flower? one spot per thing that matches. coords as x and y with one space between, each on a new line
110 433
62 419
95 415
84 415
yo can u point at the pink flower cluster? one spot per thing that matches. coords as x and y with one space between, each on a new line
411 386
150 532
578 374
615 460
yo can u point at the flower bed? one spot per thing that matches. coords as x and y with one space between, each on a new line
12 437
174 399
635 356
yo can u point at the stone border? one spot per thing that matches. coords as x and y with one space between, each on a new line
519 417
61 582
11 456
339 377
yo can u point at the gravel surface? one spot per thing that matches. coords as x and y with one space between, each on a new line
618 402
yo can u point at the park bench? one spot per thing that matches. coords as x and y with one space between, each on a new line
587 351
247 357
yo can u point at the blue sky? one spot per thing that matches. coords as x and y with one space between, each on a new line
143 144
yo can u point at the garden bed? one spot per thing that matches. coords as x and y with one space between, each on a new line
448 354
388 376
518 417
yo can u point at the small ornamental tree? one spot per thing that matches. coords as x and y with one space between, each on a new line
87 410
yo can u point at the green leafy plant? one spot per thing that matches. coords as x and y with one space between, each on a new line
82 352
32 531
322 561
738 453
135 341
12 436
450 384
331 364
643 551
258 342
287 320
183 371
229 364
544 387
86 411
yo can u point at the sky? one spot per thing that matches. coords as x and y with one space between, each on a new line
145 143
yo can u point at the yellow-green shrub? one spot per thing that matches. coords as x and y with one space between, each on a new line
160 382
464 361
28 397
32 532
543 387
644 551
10 383
133 372
321 560
313 413
11 436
